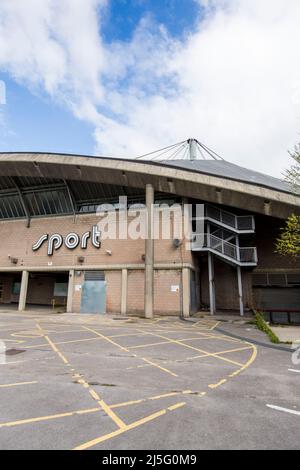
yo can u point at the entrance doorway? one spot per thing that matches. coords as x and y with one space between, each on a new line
48 290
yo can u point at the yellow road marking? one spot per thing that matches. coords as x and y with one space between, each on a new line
127 350
92 392
159 367
49 417
138 367
248 363
175 407
218 384
128 427
197 349
107 338
17 383
19 341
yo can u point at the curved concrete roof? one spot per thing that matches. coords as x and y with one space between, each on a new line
231 171
208 180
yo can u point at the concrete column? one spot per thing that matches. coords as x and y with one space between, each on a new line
23 291
124 292
149 253
185 292
198 287
240 287
211 278
70 291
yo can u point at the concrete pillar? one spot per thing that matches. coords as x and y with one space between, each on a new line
185 292
198 287
240 288
149 253
70 291
211 278
23 291
124 292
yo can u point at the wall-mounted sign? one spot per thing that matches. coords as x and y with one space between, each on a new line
71 241
174 288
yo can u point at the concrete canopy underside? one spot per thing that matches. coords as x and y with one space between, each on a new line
137 174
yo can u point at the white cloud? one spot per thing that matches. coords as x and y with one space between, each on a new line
234 82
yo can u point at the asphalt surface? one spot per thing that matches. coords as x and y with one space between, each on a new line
92 382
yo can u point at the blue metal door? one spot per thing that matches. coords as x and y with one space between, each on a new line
93 298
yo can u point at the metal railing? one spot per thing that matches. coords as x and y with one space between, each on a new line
236 222
242 255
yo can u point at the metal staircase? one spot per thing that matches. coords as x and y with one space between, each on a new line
228 228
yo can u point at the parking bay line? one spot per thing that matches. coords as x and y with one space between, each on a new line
285 410
17 384
196 349
294 370
128 427
115 418
127 350
48 417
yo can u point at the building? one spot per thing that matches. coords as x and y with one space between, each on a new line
53 254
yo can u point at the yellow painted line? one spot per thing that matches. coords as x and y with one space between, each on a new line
63 342
19 341
107 338
165 395
197 349
128 427
127 334
218 384
127 350
143 400
49 417
175 407
159 367
128 403
149 344
63 358
92 392
17 384
138 367
112 415
248 363
161 342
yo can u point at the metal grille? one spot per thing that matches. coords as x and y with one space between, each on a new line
94 276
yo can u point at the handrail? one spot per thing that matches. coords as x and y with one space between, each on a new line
229 250
240 223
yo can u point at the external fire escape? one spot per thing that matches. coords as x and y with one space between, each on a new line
222 237
222 231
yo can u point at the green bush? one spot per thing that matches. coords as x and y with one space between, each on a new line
263 326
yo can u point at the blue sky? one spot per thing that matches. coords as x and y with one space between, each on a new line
34 122
125 77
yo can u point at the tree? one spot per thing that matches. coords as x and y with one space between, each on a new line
292 175
288 244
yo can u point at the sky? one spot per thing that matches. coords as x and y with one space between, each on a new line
125 77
